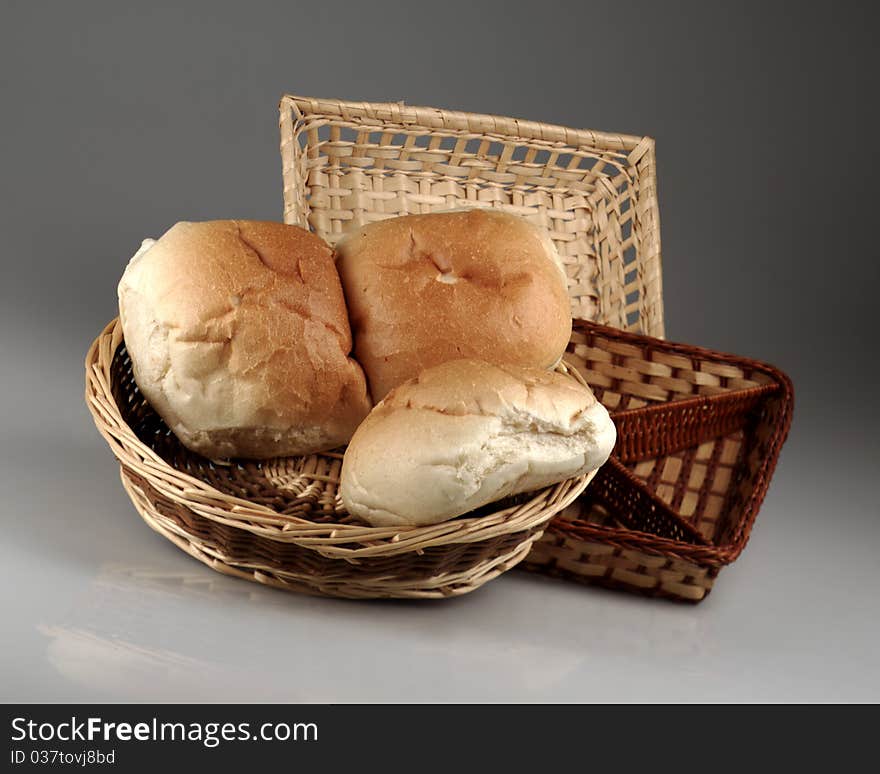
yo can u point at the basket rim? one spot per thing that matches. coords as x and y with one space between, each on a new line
651 343
381 113
331 539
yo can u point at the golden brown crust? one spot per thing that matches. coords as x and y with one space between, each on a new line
423 289
239 337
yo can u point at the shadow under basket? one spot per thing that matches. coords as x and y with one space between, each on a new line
280 522
699 435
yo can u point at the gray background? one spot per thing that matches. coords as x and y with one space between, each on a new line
118 122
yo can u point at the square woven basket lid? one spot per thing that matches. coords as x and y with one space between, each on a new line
346 164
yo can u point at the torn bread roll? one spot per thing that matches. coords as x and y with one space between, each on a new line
239 339
423 289
467 433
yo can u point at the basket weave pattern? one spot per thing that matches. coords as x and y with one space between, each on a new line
699 435
281 522
346 164
699 432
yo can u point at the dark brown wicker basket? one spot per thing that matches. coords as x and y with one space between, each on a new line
699 434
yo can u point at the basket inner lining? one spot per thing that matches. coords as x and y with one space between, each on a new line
697 483
708 485
311 481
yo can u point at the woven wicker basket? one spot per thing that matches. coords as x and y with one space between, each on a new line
699 434
345 164
350 163
281 522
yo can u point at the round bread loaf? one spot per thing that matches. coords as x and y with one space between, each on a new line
467 433
423 289
239 339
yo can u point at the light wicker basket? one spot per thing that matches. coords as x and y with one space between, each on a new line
281 522
345 164
699 435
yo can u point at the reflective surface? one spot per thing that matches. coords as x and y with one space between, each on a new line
98 607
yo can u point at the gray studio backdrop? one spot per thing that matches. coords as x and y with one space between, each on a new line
120 119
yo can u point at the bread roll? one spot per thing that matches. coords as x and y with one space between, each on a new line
423 289
239 339
466 433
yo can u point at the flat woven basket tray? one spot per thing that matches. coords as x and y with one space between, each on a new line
346 164
281 522
699 435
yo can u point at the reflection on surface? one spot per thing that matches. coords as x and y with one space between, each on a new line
125 670
122 647
174 630
182 580
156 624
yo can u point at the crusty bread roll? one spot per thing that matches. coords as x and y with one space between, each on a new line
239 339
423 289
466 433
